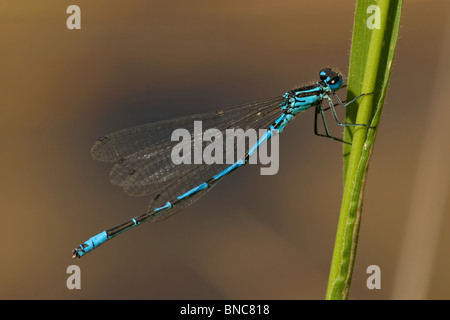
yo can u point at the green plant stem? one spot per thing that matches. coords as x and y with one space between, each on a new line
370 67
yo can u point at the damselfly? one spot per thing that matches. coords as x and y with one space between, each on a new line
143 164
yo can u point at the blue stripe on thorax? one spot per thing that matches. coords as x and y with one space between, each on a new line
302 99
295 102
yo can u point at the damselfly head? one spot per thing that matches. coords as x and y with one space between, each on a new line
331 78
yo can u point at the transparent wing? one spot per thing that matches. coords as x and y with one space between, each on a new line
142 154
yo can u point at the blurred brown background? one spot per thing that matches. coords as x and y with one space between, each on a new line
253 237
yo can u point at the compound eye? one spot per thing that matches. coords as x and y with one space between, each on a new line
335 80
335 83
327 74
323 76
